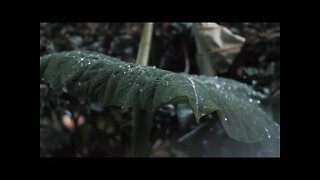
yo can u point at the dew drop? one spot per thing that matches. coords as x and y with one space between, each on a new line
140 90
64 89
254 82
225 119
205 142
250 100
266 90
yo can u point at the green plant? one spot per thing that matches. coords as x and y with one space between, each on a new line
142 120
113 82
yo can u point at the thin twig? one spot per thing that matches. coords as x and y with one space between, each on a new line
194 131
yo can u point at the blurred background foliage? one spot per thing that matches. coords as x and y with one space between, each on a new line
74 127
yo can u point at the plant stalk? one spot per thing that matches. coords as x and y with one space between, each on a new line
142 124
145 44
142 120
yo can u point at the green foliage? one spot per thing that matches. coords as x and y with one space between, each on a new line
113 82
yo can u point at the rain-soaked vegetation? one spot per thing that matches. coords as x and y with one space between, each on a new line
206 91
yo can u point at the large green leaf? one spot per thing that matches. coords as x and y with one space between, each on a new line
114 82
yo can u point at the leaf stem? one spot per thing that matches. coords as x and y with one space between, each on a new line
145 44
142 124
142 120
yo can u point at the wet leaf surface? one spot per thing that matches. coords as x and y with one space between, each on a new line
113 82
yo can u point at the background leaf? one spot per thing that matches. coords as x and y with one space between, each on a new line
217 47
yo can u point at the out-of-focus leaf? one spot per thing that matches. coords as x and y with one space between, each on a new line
184 115
217 47
96 107
51 138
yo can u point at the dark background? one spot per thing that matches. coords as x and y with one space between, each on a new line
106 130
